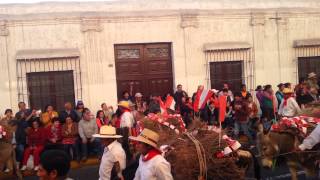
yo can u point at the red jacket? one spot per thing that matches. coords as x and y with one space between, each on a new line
54 133
36 137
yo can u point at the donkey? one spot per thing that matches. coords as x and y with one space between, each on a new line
272 145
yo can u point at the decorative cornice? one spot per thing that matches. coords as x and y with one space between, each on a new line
91 25
257 20
3 28
189 20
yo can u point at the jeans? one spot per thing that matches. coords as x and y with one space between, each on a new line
19 152
90 147
245 128
72 150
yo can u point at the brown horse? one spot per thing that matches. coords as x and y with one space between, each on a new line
273 145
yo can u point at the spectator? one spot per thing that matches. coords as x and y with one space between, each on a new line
48 115
113 156
101 119
79 108
68 111
178 96
186 110
141 106
126 96
210 111
241 116
23 112
88 127
54 165
253 115
229 92
279 93
20 137
36 138
244 91
69 138
312 81
8 116
107 110
259 95
54 135
289 107
303 95
154 106
267 106
228 122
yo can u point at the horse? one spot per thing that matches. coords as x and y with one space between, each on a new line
274 144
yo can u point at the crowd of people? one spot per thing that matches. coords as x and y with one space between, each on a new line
78 132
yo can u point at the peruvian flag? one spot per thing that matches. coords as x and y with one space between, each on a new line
222 107
170 103
163 109
201 99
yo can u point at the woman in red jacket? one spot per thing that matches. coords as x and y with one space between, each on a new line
36 138
54 136
101 119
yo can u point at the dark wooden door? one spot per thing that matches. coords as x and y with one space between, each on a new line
307 65
54 87
147 66
226 72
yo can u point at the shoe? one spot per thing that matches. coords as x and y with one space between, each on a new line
7 170
36 168
24 167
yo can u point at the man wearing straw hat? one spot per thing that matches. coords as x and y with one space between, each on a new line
313 81
289 106
126 118
152 166
113 155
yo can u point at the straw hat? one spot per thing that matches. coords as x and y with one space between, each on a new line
107 132
138 95
147 136
287 91
312 75
124 104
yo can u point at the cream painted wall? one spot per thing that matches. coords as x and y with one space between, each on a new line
187 30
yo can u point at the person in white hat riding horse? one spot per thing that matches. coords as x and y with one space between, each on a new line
152 166
113 155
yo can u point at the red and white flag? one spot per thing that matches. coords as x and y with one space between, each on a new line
201 99
170 103
163 109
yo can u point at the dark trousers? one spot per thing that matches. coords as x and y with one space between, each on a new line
90 148
72 150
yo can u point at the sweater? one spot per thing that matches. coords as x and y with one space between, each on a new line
87 128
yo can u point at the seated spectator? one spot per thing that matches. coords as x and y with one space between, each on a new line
8 116
36 138
47 117
88 127
69 138
68 111
54 135
101 119
24 112
107 110
54 165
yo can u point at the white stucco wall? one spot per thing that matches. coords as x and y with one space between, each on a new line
269 26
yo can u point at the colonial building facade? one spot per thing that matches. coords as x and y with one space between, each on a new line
57 52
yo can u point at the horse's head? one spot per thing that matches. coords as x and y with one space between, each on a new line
268 147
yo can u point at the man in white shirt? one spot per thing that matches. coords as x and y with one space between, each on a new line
152 166
126 118
113 155
289 106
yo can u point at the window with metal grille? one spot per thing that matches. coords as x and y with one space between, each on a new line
41 76
55 88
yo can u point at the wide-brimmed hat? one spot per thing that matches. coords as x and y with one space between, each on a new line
287 91
107 132
147 136
312 74
124 104
138 95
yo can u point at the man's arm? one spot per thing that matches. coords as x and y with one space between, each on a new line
163 171
311 140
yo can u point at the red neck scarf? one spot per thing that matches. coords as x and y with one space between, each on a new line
151 154
285 99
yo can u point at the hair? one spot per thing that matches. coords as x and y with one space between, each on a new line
224 90
237 94
243 85
103 105
35 120
266 87
55 160
248 96
287 84
259 87
279 85
46 107
55 119
7 110
124 92
210 102
179 85
70 117
301 80
98 112
21 102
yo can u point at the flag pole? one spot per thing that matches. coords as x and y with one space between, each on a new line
220 133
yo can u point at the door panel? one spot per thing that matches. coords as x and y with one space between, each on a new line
148 66
307 65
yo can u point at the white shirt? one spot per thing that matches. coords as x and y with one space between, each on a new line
113 153
126 120
156 168
291 109
311 140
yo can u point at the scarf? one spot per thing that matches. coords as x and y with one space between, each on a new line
285 99
151 154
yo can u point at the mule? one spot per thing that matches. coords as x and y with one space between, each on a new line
272 145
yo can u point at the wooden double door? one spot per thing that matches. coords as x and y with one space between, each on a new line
148 67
